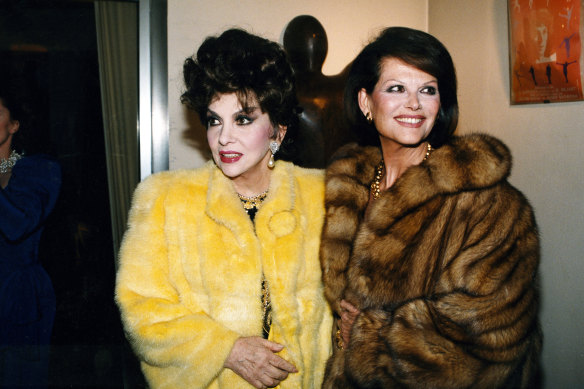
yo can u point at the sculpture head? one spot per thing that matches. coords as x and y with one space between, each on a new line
306 44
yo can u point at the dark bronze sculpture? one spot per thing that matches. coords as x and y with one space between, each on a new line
323 127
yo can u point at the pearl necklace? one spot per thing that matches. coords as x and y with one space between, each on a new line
375 191
6 164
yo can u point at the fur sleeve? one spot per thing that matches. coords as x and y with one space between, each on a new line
346 197
477 325
182 347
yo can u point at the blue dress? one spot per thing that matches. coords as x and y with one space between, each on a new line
27 298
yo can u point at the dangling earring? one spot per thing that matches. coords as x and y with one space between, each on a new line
369 118
274 146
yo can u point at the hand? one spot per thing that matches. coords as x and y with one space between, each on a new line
254 359
348 315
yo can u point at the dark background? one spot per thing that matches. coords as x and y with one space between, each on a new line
48 50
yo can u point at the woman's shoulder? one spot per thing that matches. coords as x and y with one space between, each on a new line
303 182
304 173
37 171
471 161
175 180
476 163
353 162
306 180
40 163
482 145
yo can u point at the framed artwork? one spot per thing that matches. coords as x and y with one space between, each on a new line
546 56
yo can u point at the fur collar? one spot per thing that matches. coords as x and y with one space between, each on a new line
466 163
224 207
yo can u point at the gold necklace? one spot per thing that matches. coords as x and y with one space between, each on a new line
377 180
266 308
252 201
375 191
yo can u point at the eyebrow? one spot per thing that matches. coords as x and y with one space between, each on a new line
434 80
247 110
390 82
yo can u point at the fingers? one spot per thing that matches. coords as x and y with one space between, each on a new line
272 346
274 372
348 315
272 377
283 365
346 306
254 359
276 360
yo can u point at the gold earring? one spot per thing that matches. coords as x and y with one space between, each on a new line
369 118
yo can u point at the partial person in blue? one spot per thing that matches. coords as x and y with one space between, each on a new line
29 187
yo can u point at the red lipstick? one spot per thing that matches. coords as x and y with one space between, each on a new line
229 156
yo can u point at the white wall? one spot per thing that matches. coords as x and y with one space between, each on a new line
547 144
348 24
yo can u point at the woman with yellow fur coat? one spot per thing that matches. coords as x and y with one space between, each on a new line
219 283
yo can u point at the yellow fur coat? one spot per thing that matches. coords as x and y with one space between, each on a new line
189 280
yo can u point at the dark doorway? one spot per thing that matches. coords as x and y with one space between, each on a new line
49 50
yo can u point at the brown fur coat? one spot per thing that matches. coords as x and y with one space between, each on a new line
442 266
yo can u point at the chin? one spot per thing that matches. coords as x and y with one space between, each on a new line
411 142
230 171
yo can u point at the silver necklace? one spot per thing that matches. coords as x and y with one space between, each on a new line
6 164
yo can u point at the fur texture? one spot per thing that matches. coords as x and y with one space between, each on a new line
190 271
443 267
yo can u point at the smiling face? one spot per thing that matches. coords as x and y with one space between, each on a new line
239 139
403 104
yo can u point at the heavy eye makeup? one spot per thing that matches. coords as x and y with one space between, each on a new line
246 116
395 89
212 121
241 118
429 90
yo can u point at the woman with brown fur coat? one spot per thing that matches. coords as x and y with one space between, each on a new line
429 255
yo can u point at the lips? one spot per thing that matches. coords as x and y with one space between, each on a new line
410 121
229 156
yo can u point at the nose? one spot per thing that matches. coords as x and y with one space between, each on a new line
413 102
225 135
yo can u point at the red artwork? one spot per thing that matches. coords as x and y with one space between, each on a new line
545 49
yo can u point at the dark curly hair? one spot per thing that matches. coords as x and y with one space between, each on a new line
252 67
418 49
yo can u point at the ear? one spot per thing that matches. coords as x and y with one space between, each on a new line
363 99
14 126
281 133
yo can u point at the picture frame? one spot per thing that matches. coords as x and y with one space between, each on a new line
546 56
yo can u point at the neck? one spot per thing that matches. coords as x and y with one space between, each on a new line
5 149
251 191
398 159
253 182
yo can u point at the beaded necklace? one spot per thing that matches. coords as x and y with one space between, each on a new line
375 191
6 164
